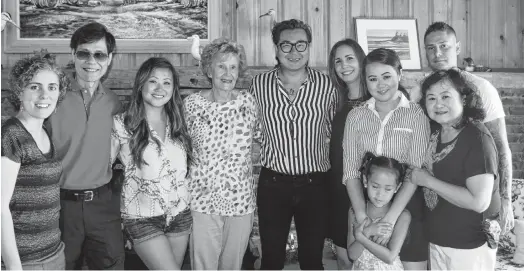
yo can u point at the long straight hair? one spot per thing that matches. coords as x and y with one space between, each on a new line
135 121
340 85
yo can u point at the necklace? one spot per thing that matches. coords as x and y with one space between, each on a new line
291 91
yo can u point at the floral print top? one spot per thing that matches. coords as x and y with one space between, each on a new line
158 187
221 176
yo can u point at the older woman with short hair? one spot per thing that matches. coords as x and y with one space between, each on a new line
222 123
462 195
31 169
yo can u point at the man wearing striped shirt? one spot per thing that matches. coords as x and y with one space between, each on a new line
297 105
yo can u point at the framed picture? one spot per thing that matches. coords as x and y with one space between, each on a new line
400 35
140 26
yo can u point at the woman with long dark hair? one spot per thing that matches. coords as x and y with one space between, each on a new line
344 67
152 141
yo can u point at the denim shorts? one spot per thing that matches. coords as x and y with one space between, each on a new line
143 229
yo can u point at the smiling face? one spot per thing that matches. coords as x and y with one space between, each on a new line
91 69
224 71
347 65
444 103
40 95
158 89
293 60
381 185
442 50
382 81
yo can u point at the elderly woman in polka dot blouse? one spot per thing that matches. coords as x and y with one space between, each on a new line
222 123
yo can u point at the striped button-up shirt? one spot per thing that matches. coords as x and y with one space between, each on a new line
403 134
295 132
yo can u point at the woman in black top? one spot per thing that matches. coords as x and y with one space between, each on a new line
344 64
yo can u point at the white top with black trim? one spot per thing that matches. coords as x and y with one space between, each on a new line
295 133
403 135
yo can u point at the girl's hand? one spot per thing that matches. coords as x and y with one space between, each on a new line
378 229
359 229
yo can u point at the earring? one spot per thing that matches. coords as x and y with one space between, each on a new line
21 108
365 185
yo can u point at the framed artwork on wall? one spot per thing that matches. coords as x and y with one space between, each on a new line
400 35
140 26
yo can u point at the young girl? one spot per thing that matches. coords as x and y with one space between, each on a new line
152 141
381 177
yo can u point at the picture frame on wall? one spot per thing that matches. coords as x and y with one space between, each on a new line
138 26
400 35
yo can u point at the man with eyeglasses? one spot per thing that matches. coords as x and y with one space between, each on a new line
297 105
81 131
442 50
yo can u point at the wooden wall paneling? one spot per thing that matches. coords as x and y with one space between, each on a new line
317 12
338 16
266 48
421 13
512 34
246 32
439 10
292 9
357 9
187 60
521 34
477 29
496 37
214 22
123 61
378 8
228 13
458 20
400 8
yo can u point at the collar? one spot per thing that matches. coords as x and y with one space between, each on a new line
404 102
75 86
310 74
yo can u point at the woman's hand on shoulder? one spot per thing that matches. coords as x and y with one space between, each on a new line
418 176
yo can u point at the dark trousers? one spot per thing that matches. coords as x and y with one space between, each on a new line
279 198
91 229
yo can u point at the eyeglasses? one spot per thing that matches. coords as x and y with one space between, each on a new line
300 46
98 56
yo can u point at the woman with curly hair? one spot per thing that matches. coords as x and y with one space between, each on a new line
222 124
31 170
462 191
152 141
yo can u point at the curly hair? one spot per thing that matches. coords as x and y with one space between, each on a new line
135 120
387 57
287 25
221 47
473 108
340 85
25 69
